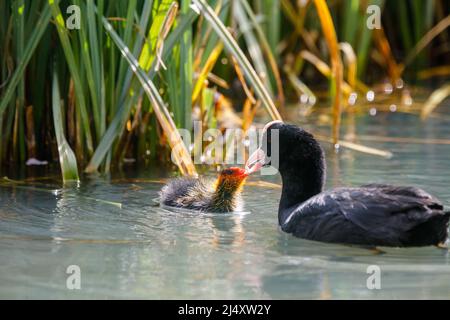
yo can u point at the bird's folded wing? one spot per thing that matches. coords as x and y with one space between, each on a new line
379 212
372 209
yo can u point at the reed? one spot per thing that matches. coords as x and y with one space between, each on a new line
67 160
434 100
133 73
336 64
237 53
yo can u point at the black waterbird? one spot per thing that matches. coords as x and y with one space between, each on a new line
370 215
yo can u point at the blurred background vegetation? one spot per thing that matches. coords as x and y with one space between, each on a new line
115 90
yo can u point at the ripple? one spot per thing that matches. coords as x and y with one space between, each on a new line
139 250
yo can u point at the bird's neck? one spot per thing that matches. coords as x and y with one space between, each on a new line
225 198
300 182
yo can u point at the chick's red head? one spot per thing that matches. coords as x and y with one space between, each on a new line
231 178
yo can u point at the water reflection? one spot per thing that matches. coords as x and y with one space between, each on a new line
142 251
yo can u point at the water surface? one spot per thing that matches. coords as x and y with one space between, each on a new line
143 251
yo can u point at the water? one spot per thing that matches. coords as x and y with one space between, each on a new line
143 251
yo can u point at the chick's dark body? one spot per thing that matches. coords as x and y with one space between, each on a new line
204 194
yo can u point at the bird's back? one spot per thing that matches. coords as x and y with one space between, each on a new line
381 215
188 193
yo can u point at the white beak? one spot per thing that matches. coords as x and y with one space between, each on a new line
255 162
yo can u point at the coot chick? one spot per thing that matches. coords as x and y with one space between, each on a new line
371 215
200 194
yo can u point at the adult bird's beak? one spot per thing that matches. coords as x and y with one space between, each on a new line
258 159
255 162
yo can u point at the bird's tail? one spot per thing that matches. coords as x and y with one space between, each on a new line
447 214
447 219
441 224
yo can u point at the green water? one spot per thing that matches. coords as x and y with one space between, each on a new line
142 251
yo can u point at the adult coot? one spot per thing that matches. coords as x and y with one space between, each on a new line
371 215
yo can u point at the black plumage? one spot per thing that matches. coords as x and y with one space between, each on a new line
372 215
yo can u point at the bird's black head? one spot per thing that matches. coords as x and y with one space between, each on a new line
285 146
296 154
